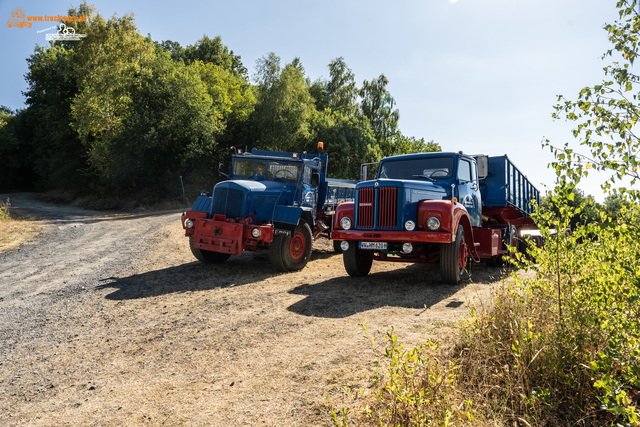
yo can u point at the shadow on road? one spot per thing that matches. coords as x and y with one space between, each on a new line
191 277
416 286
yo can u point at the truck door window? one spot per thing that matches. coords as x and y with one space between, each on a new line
464 170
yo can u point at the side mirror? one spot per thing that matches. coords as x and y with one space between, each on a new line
483 167
220 170
363 173
315 179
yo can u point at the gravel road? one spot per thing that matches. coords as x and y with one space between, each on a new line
40 284
109 320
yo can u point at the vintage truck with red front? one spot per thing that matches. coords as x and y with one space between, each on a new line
274 201
447 208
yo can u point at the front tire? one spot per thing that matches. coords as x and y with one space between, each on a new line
453 258
208 257
291 253
336 246
356 261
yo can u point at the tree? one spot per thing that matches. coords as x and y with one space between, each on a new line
606 114
341 92
213 51
113 59
60 159
175 50
409 145
169 130
594 272
233 102
377 105
16 155
348 140
284 105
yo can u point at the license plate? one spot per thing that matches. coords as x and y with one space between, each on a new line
373 245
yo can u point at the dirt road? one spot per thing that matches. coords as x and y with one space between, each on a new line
109 320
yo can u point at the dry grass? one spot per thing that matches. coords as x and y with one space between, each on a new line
16 230
176 342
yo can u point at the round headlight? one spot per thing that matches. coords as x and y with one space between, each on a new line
410 225
255 232
188 223
344 245
433 223
345 223
407 248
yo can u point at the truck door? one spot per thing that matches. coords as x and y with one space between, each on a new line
469 191
309 192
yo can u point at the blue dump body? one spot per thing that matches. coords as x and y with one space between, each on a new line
505 185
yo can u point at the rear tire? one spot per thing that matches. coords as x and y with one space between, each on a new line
453 258
291 253
208 257
356 261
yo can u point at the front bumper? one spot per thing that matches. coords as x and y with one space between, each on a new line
393 236
226 236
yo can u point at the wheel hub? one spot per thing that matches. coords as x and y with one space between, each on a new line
297 246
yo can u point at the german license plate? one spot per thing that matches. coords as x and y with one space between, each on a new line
373 245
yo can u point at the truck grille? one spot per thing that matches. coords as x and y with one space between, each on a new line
387 207
366 203
228 201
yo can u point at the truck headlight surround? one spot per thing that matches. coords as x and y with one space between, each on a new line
344 245
255 232
188 223
433 223
407 248
410 225
345 223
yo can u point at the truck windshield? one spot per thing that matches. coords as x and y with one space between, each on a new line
431 168
257 168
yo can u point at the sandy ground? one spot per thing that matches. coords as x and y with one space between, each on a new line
110 320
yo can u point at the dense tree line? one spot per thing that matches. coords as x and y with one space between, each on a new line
118 113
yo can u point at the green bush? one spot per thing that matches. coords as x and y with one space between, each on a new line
4 210
562 346
416 389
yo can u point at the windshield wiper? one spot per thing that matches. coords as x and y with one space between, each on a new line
425 177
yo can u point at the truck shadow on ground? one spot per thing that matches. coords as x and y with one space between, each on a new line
416 286
191 277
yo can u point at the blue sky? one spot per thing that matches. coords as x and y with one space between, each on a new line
480 76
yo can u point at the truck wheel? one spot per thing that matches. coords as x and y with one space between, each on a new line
453 258
336 246
290 253
356 261
208 257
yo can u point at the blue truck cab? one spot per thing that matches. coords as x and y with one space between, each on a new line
445 208
272 200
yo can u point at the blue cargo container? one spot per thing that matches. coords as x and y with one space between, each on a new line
505 185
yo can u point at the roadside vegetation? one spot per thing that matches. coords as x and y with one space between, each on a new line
559 346
15 230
